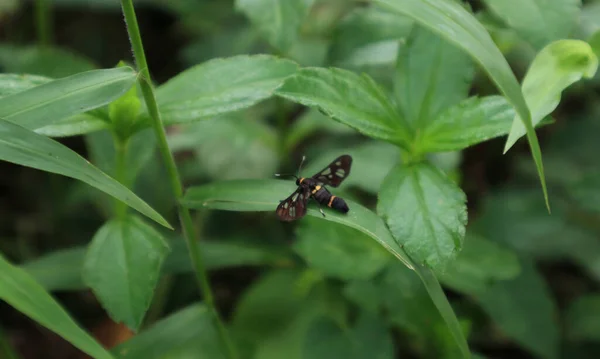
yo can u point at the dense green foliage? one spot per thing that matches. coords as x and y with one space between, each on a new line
449 249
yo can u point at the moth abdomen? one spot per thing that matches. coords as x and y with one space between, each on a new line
338 204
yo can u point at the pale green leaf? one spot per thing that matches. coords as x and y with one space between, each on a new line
431 75
122 267
582 318
278 20
555 68
14 83
48 103
450 20
221 85
354 100
538 21
79 124
425 212
21 291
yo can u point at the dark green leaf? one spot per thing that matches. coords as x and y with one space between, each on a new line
48 103
278 20
339 251
354 100
538 22
586 191
425 212
23 147
188 333
59 270
222 85
431 75
582 318
45 61
21 291
122 267
524 310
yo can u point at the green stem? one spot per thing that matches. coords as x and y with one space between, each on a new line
174 179
121 147
43 22
6 350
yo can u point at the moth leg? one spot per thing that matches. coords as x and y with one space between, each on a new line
321 209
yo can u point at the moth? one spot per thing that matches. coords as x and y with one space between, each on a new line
294 207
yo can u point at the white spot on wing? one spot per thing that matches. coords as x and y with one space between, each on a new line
338 163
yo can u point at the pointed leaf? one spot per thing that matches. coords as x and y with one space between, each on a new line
14 83
48 103
122 267
278 20
220 86
555 68
21 291
425 212
538 22
26 148
431 75
450 20
354 100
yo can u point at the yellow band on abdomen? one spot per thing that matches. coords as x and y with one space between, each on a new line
330 201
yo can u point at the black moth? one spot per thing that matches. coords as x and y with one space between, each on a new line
294 207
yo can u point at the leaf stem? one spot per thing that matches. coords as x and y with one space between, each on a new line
121 147
6 350
173 174
43 22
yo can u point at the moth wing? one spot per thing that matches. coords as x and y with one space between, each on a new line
335 172
293 207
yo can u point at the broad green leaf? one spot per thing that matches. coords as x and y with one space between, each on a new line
425 212
367 339
79 124
44 61
366 29
480 264
58 270
589 22
122 267
538 22
524 310
339 251
431 75
278 20
310 123
470 122
21 291
48 103
351 99
230 146
14 83
222 85
188 333
450 20
582 318
23 147
254 195
264 196
555 68
366 173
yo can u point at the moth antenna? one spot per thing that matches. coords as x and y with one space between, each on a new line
300 167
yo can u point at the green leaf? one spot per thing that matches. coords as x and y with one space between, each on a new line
21 291
339 251
425 212
431 75
480 264
122 267
278 20
310 123
523 309
220 86
470 122
79 124
264 195
582 318
45 61
26 148
58 270
448 19
354 100
585 192
48 103
188 333
231 146
13 83
368 339
538 22
254 195
555 68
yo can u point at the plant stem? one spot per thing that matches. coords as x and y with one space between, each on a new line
174 179
43 22
121 147
6 350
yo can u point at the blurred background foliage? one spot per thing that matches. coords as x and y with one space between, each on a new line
525 286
